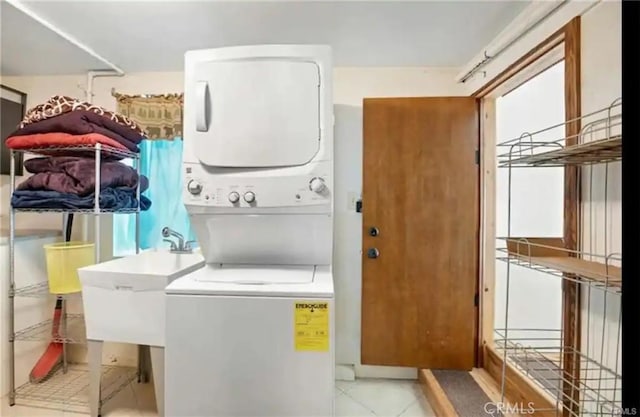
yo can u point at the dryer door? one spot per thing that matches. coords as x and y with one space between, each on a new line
256 113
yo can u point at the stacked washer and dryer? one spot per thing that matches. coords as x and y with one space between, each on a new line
252 332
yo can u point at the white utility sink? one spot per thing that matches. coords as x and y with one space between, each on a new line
124 298
124 301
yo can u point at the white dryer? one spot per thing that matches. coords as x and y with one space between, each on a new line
252 332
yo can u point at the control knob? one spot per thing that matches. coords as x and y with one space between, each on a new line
234 197
249 197
317 185
194 187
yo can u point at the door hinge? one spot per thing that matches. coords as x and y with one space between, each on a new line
477 156
476 300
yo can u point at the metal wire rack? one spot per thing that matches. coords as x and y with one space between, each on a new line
71 332
78 211
70 390
80 150
582 380
61 391
538 354
38 290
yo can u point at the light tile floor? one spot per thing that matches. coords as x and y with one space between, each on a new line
360 398
382 398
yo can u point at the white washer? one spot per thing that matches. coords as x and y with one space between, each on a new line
259 354
251 333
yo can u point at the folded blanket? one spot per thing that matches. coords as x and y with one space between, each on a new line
57 105
75 175
57 139
110 199
80 122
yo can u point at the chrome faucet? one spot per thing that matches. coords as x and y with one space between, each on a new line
181 246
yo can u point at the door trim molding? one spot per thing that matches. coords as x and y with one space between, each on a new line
569 35
523 63
487 244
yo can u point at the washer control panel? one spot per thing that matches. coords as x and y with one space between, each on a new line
256 191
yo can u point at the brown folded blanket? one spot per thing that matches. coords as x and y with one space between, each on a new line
80 122
76 175
57 105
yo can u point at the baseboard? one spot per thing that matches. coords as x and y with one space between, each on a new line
388 372
345 373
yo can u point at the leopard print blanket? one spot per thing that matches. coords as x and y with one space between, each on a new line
58 105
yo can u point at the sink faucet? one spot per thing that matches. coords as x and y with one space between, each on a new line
181 246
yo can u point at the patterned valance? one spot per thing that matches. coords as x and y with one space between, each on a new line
159 115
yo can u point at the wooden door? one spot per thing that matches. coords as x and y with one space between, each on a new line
421 193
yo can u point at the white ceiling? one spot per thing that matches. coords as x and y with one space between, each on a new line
153 35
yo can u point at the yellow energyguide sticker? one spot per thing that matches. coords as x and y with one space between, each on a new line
311 326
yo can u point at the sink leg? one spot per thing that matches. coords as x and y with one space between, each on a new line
94 354
143 364
140 360
157 368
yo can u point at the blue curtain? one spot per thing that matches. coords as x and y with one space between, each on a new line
161 163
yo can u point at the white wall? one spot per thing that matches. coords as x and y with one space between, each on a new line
351 85
537 197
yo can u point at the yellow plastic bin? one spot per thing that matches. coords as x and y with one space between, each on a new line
63 261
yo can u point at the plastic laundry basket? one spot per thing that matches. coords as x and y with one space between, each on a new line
63 261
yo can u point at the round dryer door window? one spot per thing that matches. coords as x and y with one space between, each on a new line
257 113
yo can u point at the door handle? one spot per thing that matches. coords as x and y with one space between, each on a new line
202 112
373 231
373 253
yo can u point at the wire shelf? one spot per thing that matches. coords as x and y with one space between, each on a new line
599 141
595 152
75 332
79 211
563 263
539 355
105 150
39 290
70 391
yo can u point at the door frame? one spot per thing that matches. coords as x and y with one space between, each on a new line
9 91
564 44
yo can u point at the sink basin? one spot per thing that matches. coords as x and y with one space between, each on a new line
124 298
158 262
